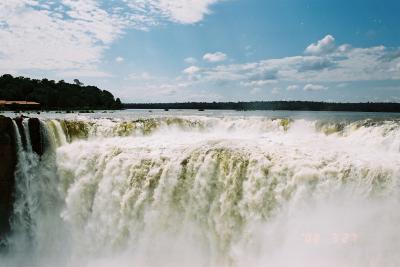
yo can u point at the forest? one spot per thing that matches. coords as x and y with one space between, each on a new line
273 105
54 95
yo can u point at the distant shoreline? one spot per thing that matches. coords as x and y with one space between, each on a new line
271 105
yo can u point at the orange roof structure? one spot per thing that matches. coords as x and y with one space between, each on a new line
17 102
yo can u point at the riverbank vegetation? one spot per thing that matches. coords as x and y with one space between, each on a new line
54 95
272 105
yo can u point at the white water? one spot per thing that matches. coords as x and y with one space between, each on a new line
210 191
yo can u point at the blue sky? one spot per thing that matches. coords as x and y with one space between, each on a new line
209 50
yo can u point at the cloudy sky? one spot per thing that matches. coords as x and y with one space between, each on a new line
209 50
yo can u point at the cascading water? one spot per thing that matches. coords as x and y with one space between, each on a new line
35 223
208 191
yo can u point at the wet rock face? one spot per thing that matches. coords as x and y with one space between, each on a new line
36 136
8 161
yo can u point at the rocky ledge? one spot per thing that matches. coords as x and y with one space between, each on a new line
8 161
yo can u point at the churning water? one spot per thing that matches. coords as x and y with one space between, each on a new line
209 189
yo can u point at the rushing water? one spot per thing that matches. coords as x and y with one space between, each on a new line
208 189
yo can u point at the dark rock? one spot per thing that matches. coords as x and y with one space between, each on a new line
36 136
8 161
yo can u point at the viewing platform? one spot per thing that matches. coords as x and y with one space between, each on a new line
17 104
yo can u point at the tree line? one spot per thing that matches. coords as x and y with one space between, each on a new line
272 105
54 95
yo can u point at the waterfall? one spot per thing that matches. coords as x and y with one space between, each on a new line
57 133
35 220
209 191
26 201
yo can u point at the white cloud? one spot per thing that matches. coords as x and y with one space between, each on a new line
314 87
275 91
191 70
344 64
166 92
34 37
342 85
292 87
72 35
153 12
255 91
344 48
144 76
190 60
93 73
323 46
258 83
184 11
119 59
215 57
